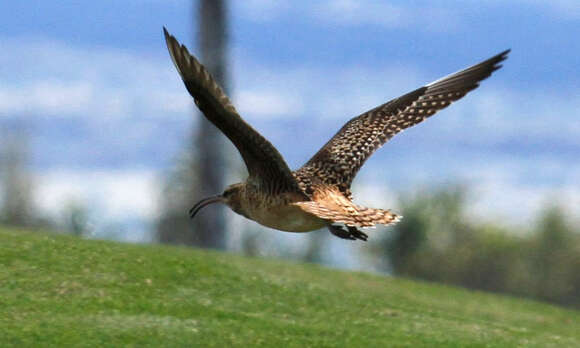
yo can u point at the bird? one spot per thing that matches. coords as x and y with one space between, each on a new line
318 194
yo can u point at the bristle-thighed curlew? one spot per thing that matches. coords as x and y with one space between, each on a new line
318 194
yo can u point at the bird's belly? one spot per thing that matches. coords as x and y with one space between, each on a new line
288 218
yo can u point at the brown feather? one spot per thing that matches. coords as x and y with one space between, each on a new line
339 160
330 204
265 165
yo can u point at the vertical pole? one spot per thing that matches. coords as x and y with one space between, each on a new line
209 226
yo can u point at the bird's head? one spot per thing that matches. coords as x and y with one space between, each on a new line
231 197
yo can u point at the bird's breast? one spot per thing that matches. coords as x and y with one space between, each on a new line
283 215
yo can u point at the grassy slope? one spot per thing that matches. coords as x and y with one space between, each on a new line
57 290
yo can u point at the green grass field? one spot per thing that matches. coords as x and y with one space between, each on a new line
64 291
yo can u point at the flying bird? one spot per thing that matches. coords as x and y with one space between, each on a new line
318 194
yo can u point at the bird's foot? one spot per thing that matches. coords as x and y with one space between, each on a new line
351 233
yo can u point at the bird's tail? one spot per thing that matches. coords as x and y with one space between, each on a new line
333 206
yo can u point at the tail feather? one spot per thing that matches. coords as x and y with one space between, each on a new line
333 206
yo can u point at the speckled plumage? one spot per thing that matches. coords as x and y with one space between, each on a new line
338 161
264 162
331 204
318 194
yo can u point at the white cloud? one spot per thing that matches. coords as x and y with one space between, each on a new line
51 78
319 92
500 191
353 13
262 10
53 97
420 15
353 90
268 103
113 194
493 114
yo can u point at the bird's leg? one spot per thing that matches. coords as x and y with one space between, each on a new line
340 232
352 233
357 234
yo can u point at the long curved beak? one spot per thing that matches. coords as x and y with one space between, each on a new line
206 201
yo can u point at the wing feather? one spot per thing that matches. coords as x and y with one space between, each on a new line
339 160
265 164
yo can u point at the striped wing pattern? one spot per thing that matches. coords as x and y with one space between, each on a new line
265 165
330 204
339 160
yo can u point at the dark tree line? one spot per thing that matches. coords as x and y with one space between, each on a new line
436 241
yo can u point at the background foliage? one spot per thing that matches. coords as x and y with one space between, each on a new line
437 241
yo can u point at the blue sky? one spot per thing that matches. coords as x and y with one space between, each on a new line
92 84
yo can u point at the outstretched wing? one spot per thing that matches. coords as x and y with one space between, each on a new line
338 161
263 161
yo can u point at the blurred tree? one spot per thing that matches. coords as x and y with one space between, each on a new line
76 218
430 220
204 174
16 182
408 237
554 256
436 241
252 242
174 225
553 229
316 241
